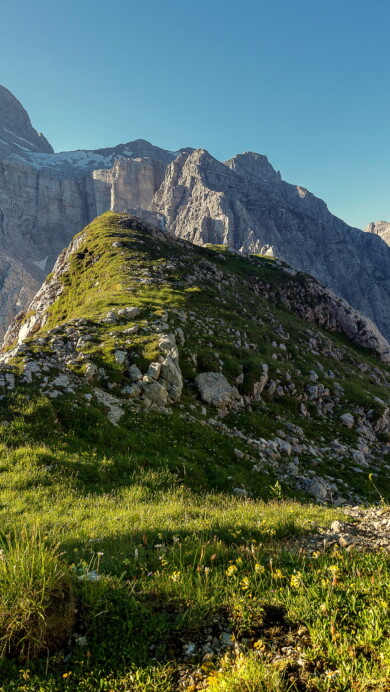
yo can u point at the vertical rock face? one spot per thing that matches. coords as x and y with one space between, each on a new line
129 185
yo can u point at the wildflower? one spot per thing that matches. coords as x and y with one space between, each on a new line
231 570
259 569
296 580
259 645
175 576
239 561
66 675
277 574
315 554
245 583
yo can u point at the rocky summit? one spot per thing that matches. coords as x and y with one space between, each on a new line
46 198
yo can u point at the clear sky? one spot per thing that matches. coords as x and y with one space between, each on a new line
305 82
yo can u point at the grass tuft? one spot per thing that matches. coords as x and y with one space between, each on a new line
37 608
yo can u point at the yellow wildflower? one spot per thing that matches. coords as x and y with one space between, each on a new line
259 645
296 580
231 570
277 574
245 583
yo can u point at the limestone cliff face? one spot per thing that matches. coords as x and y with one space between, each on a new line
381 228
129 185
245 204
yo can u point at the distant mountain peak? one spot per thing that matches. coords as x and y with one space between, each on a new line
17 135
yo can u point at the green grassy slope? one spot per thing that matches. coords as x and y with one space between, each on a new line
147 506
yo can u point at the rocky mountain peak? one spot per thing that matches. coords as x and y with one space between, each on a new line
254 167
17 135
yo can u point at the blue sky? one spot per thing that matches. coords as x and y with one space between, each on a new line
305 82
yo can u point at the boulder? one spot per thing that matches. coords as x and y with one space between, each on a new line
171 376
318 488
214 389
348 420
156 393
91 371
135 373
154 370
120 357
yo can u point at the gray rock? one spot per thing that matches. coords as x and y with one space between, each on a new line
156 393
62 381
240 492
128 313
171 376
115 410
91 371
258 387
214 389
131 391
120 357
318 488
30 369
111 317
131 330
153 371
135 373
348 420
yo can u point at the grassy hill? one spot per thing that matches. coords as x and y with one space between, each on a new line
157 540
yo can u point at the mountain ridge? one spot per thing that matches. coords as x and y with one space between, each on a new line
45 198
184 429
134 318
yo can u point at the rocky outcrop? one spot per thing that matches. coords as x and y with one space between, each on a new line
321 306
